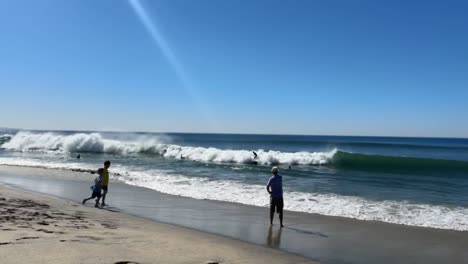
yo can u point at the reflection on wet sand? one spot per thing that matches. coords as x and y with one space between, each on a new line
274 241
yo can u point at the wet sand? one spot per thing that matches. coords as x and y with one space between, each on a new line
322 238
39 229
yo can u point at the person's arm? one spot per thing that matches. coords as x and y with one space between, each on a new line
268 187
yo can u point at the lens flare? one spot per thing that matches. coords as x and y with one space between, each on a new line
171 58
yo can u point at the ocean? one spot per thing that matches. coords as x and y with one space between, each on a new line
410 181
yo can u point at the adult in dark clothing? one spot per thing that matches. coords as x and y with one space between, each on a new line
275 189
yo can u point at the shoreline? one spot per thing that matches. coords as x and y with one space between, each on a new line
405 219
51 230
86 174
316 237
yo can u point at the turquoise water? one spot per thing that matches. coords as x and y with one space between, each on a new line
413 181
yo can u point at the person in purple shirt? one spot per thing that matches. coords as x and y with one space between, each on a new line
275 189
97 187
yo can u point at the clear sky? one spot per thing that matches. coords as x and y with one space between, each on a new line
361 67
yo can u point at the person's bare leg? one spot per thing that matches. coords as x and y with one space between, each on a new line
281 217
104 197
87 199
97 201
272 214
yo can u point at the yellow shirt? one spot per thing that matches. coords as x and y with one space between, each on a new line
105 178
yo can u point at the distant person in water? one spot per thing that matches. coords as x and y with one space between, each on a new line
97 188
79 156
255 154
105 181
275 189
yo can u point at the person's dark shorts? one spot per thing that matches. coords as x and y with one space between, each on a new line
96 194
278 203
104 188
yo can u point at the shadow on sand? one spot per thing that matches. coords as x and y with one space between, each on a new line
306 232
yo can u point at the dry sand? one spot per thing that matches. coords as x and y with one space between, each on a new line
40 229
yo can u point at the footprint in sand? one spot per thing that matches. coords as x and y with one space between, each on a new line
45 231
109 225
71 240
24 238
91 237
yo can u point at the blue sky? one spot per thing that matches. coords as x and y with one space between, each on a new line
397 68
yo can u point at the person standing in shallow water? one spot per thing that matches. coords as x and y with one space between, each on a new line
105 181
275 189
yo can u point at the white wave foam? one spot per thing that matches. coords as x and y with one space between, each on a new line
80 142
244 156
325 204
94 142
46 165
397 212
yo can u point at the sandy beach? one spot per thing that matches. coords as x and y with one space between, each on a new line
40 229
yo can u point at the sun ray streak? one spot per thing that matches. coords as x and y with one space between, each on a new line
171 58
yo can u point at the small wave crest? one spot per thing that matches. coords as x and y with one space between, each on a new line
392 164
5 138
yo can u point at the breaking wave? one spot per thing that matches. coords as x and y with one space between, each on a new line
94 142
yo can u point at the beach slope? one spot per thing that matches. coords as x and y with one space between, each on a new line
41 229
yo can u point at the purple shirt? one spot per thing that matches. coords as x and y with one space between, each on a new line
97 184
276 185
